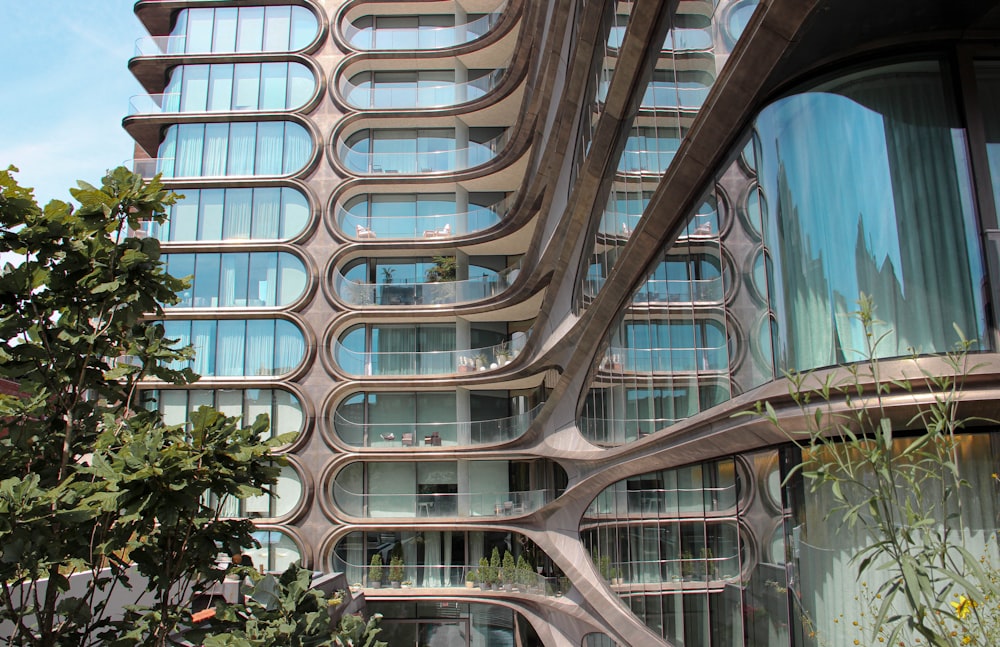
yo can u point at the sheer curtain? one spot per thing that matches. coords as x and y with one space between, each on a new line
190 141
867 189
290 347
823 547
216 146
437 346
238 213
231 344
260 347
242 142
297 147
203 340
270 142
394 349
266 212
433 566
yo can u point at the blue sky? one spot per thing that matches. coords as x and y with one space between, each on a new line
65 89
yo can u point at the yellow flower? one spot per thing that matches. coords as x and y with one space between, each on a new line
963 607
966 639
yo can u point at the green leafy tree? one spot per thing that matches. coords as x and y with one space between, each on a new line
285 610
89 485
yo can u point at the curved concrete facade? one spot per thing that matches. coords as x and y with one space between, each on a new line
670 204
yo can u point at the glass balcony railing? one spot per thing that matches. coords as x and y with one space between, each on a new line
660 502
440 293
673 291
368 227
677 359
667 290
141 104
425 576
440 505
443 362
379 96
160 45
418 38
646 161
436 434
417 162
619 431
617 223
672 96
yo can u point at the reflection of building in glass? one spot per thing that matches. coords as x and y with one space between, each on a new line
509 268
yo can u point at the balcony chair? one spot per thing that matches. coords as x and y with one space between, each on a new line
441 232
407 440
364 232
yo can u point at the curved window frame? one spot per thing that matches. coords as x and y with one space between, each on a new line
280 405
412 151
275 346
408 89
222 30
230 214
419 215
235 149
234 87
417 32
270 279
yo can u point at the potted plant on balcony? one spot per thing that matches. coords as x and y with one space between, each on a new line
465 365
375 572
485 579
387 273
396 572
495 568
509 571
525 574
504 356
481 360
471 578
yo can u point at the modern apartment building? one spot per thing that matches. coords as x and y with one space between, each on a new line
509 267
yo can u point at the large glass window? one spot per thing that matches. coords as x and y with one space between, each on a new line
672 346
236 347
231 149
240 86
420 215
430 558
622 414
419 419
282 407
243 29
277 551
254 279
411 151
867 189
406 489
417 89
233 214
649 149
429 31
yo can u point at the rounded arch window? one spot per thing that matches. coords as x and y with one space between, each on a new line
239 279
278 550
283 408
224 87
277 28
258 213
234 149
239 347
